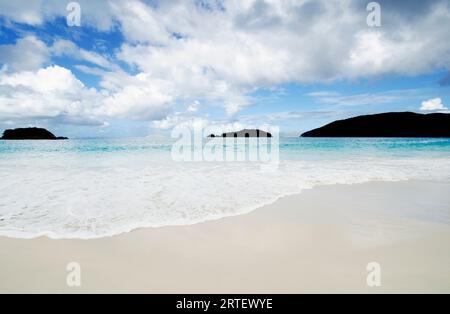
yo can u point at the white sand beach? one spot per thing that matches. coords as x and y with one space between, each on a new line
318 241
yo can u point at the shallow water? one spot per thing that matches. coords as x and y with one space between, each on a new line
102 187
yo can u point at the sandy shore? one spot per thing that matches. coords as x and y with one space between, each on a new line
318 241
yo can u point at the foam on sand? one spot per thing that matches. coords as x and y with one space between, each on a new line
92 195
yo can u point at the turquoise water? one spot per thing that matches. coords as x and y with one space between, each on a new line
289 147
91 188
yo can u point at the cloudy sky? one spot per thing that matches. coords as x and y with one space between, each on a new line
134 68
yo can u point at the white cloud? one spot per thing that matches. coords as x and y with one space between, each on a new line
50 92
28 53
28 12
433 105
140 98
218 52
225 54
385 97
95 13
53 79
207 126
55 92
68 48
255 42
140 22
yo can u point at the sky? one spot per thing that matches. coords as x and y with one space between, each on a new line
140 68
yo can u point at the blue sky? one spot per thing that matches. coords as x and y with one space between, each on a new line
138 68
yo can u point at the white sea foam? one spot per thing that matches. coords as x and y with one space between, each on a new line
95 195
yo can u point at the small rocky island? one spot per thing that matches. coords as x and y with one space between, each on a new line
30 134
244 133
391 124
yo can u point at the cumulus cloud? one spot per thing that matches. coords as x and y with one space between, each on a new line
258 42
207 126
68 48
272 42
433 105
140 97
219 52
385 97
225 52
45 93
29 12
96 13
28 53
54 92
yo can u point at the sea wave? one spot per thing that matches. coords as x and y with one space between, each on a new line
91 198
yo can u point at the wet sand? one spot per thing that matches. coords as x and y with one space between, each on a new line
318 241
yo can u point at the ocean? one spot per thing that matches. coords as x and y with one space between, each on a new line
92 188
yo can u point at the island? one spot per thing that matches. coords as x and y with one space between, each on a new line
30 134
391 124
244 133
